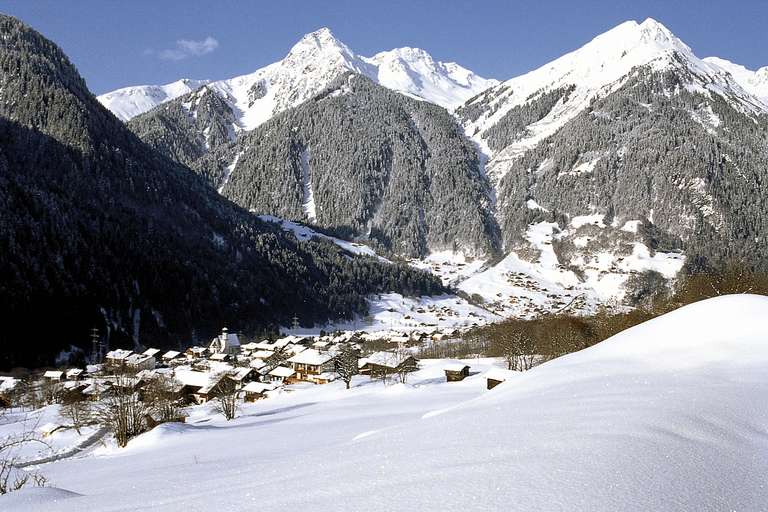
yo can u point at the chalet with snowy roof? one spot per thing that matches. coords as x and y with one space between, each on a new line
219 356
198 386
262 355
256 391
96 390
195 352
54 376
281 375
171 355
456 371
381 364
116 358
311 363
225 343
139 362
154 352
242 376
74 374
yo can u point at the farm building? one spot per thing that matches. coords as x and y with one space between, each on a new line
153 352
171 355
281 374
116 358
381 364
497 376
74 374
256 391
54 375
195 352
139 362
455 372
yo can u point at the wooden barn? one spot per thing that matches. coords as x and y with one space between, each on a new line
455 372
497 376
256 391
382 364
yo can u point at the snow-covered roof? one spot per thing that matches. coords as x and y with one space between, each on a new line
262 354
7 383
152 352
192 378
171 354
74 372
499 374
312 357
257 364
119 354
240 373
388 359
455 366
258 387
219 357
137 358
282 371
53 374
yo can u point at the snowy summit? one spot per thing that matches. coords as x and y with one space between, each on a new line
307 69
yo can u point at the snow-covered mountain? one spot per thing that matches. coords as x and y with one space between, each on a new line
755 82
308 68
594 70
129 102
605 172
413 71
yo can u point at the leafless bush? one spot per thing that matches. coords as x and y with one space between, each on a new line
162 397
225 393
11 478
77 410
122 411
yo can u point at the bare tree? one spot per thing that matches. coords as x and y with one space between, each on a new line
122 411
405 364
51 391
162 397
225 393
11 478
76 409
515 348
346 364
278 358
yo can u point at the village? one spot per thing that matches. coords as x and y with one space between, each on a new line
228 370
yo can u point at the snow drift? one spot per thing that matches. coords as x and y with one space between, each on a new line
669 415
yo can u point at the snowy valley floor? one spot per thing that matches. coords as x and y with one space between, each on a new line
669 415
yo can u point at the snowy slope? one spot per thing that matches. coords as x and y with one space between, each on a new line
594 70
129 102
414 72
308 68
669 415
754 82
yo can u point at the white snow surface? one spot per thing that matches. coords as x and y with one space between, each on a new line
309 67
304 233
129 102
669 415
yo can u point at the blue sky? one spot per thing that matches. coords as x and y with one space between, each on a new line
118 43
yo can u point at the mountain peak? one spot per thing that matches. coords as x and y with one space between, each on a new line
321 40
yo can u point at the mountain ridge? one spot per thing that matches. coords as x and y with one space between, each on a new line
308 67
